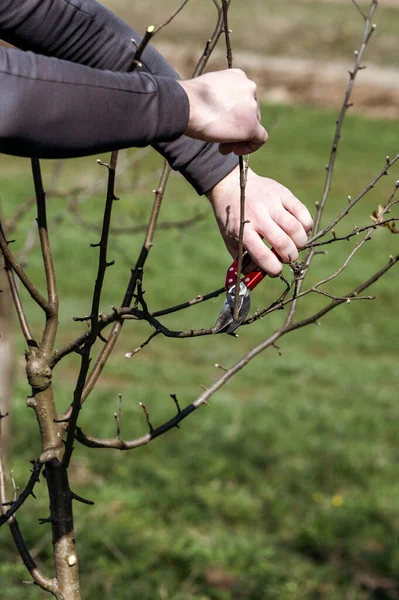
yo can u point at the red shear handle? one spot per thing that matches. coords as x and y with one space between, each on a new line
251 280
231 275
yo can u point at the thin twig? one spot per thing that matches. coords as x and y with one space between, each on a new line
355 232
163 226
193 302
8 516
170 19
51 309
27 283
19 214
117 417
243 171
93 442
24 495
384 171
368 29
360 9
26 332
145 343
137 272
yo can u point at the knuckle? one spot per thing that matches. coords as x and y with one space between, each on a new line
280 242
254 90
292 227
258 254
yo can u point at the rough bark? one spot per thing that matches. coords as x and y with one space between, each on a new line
7 360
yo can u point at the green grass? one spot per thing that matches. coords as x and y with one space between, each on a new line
286 486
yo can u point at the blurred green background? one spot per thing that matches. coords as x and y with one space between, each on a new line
286 486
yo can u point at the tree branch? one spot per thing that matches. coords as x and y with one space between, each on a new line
24 495
243 170
117 443
32 290
51 309
49 585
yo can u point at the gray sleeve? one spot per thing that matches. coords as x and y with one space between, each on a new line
52 108
100 105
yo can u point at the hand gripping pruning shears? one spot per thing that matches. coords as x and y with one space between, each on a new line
225 322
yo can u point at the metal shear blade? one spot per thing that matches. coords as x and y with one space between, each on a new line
226 322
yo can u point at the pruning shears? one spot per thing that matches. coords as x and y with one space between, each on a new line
225 322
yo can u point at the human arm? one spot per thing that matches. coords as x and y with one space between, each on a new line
85 32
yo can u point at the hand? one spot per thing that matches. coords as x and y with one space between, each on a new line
224 109
273 213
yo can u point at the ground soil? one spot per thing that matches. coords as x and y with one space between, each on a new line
313 82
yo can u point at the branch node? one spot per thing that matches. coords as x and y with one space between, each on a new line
102 163
31 402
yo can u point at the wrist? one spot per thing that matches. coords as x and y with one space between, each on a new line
189 89
227 185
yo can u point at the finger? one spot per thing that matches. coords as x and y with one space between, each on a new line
280 241
261 254
245 146
241 148
260 135
251 266
226 148
292 227
299 211
232 247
